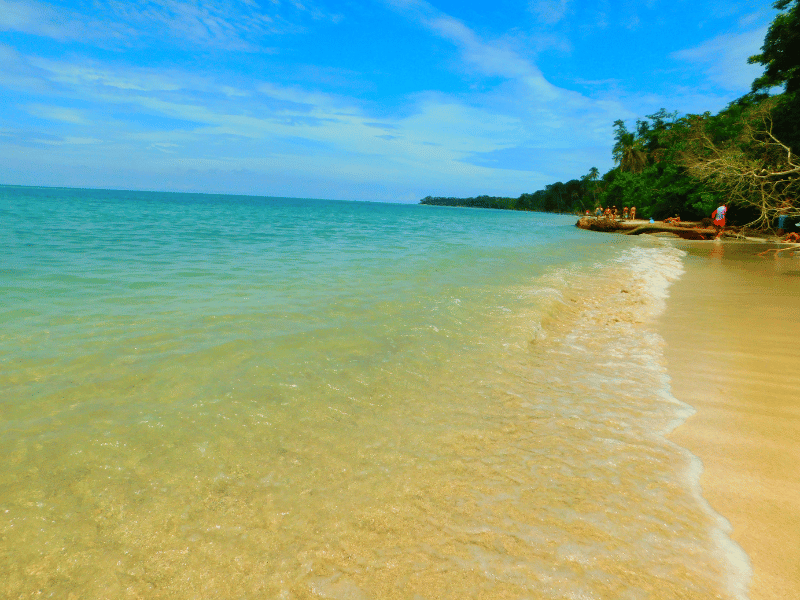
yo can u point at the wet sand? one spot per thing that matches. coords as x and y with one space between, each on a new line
732 328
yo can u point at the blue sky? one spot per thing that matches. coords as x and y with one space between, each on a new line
388 100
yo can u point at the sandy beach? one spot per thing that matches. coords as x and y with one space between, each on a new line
732 328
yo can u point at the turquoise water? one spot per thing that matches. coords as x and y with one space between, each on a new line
240 397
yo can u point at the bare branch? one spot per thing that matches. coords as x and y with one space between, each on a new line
754 169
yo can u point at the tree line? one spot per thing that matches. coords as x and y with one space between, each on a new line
745 155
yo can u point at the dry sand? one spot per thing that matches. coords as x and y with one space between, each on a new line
732 328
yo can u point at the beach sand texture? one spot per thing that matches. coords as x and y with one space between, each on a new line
733 348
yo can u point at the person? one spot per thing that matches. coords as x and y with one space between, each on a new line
607 213
633 213
615 214
625 213
599 212
719 219
785 207
673 220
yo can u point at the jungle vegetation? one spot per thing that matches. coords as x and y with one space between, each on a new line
746 155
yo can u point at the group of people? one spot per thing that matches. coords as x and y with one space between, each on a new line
718 216
611 212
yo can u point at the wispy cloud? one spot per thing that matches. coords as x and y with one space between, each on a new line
494 58
167 147
724 58
90 74
309 132
67 141
549 11
37 18
242 25
465 107
57 113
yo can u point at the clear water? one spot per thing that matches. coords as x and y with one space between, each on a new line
235 397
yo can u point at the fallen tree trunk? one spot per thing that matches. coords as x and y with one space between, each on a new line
687 231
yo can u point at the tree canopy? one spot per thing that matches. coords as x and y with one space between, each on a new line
780 53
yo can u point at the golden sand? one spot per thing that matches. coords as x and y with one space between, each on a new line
732 328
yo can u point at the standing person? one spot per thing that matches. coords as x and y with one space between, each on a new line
599 212
719 219
633 213
625 213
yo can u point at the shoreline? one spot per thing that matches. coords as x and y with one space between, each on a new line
731 328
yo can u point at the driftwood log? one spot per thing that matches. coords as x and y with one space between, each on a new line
688 231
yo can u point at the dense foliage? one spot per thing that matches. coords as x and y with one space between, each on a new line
745 155
557 197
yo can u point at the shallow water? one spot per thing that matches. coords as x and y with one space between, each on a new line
216 396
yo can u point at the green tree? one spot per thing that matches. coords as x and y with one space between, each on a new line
590 182
754 169
780 53
554 200
780 56
627 151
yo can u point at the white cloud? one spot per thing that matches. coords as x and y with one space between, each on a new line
29 16
57 113
88 75
67 141
227 24
724 58
497 140
437 142
218 23
166 147
495 59
549 11
751 18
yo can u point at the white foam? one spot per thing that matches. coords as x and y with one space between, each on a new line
620 304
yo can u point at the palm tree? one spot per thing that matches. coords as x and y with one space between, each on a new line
628 152
591 178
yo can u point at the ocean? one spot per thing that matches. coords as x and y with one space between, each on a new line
209 396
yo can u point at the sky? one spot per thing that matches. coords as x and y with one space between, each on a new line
384 100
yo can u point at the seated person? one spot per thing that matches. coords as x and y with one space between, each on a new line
625 213
673 220
792 238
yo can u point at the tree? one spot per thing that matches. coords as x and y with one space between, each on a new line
627 151
554 199
590 181
780 56
754 169
780 53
